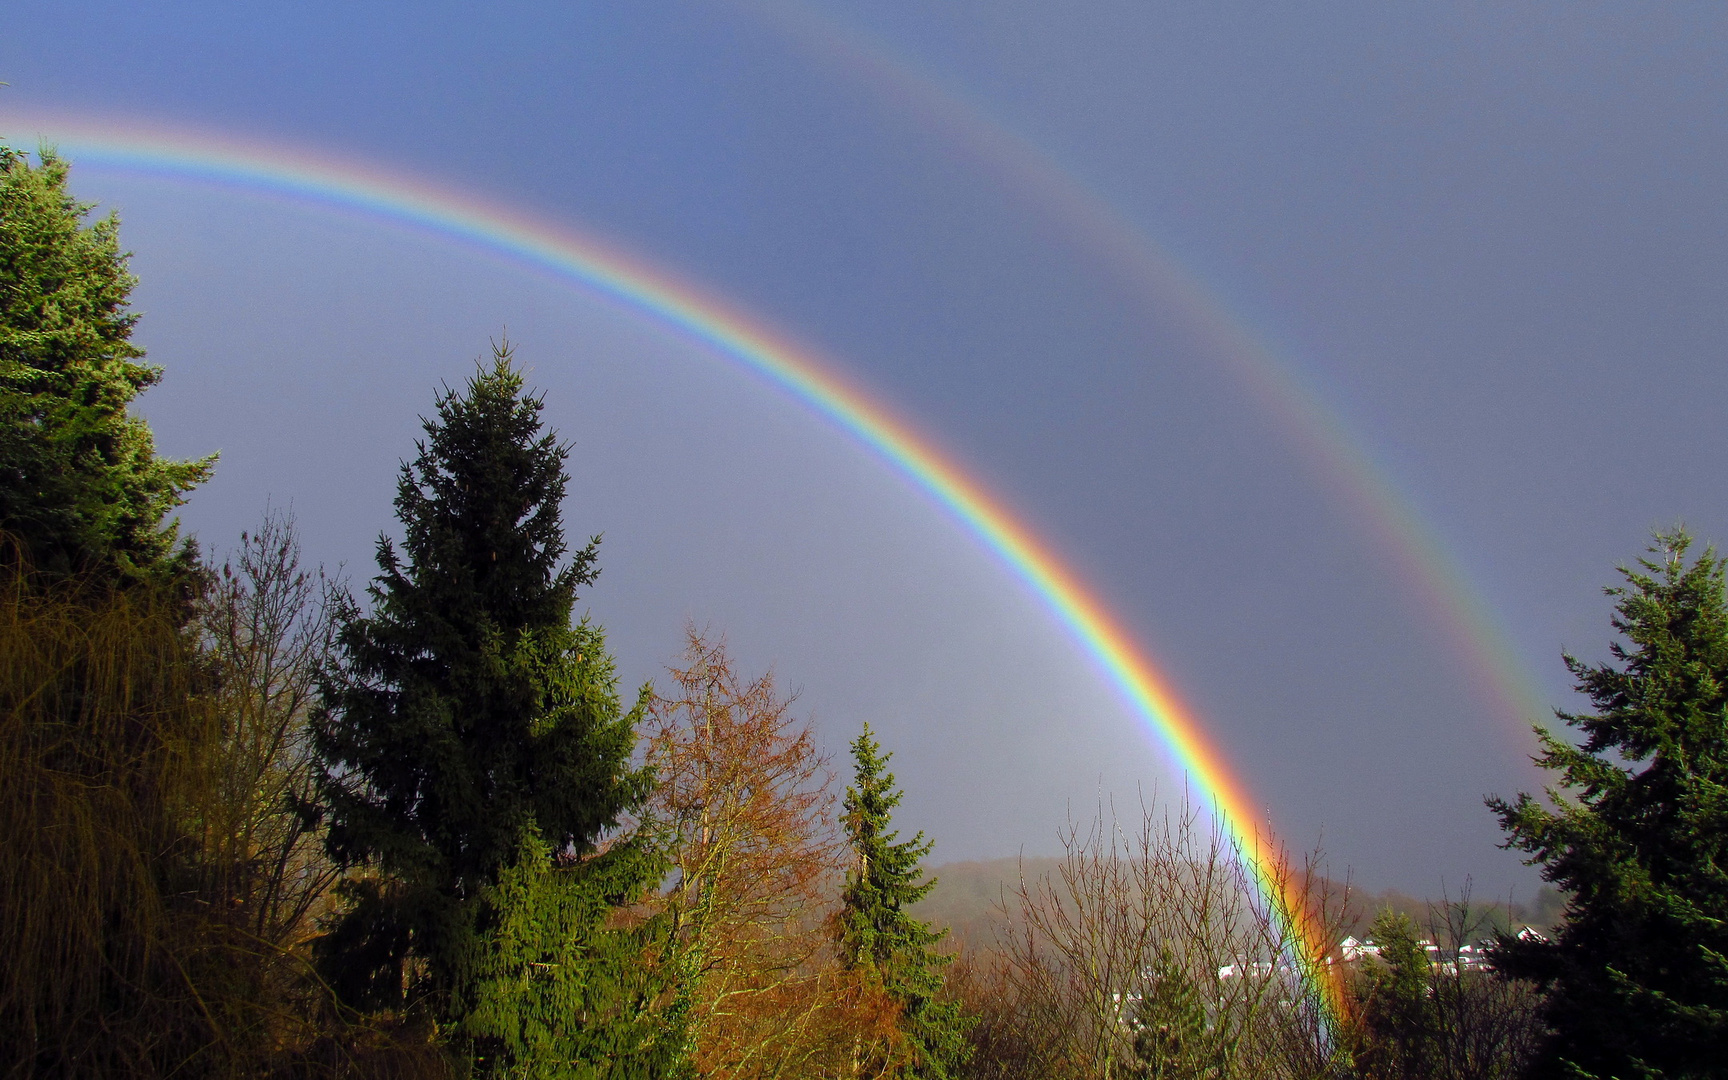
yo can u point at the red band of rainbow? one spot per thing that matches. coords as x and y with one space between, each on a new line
796 369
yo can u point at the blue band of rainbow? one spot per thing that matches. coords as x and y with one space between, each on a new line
794 368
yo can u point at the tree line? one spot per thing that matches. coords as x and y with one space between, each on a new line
256 825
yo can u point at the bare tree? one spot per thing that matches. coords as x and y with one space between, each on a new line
1489 1027
1435 1010
1152 952
267 625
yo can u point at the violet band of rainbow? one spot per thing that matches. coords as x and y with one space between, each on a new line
1166 288
659 295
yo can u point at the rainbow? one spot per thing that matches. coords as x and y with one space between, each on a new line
794 368
1147 271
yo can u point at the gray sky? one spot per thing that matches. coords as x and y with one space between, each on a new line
1490 236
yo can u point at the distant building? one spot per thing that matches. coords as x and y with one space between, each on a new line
1468 957
1352 950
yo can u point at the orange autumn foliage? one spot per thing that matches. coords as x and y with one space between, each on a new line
745 793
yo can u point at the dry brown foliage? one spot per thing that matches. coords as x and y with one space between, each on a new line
100 742
156 886
745 795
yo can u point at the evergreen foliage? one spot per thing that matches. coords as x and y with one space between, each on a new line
878 937
1170 1028
1399 1010
1636 977
477 767
81 487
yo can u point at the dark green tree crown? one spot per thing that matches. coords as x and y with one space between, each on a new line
1636 795
878 935
470 703
1636 834
81 487
475 754
481 508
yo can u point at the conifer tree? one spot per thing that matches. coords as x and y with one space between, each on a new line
81 487
478 766
878 938
1169 1025
114 963
1398 1013
1637 837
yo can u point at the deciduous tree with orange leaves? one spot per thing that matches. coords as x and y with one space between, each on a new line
744 792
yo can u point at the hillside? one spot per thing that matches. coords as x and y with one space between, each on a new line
970 896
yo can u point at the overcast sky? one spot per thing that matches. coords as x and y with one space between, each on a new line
1489 236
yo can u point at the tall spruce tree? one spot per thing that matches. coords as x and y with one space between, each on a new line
878 937
1637 837
114 964
81 488
476 756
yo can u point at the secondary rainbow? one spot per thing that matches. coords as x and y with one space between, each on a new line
796 369
1340 458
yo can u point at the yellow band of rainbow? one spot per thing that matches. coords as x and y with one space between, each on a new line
573 257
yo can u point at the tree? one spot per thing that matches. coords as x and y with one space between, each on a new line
744 791
877 935
477 768
81 488
267 629
1637 837
1171 1028
1151 950
102 734
1429 1009
115 965
1398 1014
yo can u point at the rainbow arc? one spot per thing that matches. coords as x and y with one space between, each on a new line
796 369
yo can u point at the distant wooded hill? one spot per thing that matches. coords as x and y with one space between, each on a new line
970 897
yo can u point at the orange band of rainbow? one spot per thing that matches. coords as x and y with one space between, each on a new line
572 257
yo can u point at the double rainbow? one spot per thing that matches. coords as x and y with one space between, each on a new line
795 369
1159 284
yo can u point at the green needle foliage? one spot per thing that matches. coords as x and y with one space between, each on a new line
81 487
1638 839
1399 1010
477 770
878 937
1171 1028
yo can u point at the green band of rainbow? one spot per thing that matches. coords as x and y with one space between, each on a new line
794 368
1168 292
